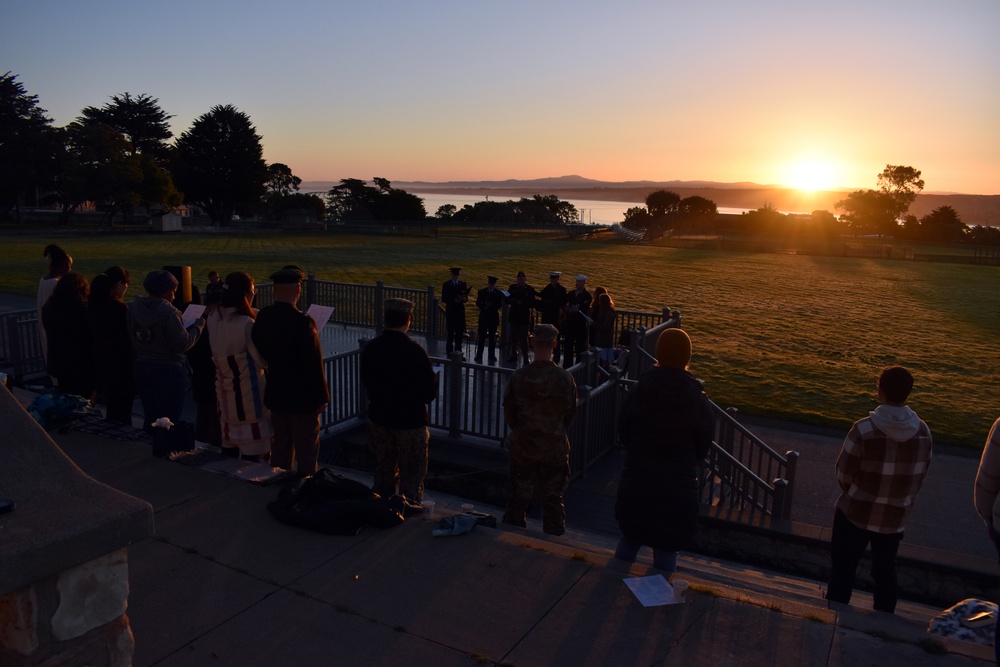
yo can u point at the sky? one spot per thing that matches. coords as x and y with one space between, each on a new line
797 93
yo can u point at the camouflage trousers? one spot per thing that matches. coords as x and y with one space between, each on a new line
551 479
400 459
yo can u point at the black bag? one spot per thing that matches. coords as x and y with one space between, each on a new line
330 503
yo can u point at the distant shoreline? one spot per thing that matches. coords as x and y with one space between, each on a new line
973 209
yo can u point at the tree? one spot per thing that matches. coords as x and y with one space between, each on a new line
637 218
697 211
219 163
299 203
140 119
355 200
878 212
130 170
662 202
281 182
28 144
445 211
826 223
869 212
901 184
943 224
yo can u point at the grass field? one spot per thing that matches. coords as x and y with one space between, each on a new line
794 337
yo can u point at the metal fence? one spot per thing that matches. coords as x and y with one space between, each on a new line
743 473
21 345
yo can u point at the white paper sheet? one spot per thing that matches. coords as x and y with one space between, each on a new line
652 591
320 314
191 313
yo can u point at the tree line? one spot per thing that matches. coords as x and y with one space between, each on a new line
882 212
120 157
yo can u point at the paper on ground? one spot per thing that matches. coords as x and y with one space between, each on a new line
652 591
247 470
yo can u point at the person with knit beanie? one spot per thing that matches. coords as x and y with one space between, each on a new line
666 426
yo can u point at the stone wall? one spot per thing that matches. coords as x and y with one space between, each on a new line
63 559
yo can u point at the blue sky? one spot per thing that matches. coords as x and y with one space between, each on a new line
772 92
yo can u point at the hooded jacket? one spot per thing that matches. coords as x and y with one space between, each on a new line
157 331
881 468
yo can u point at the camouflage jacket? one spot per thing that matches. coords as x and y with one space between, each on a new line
539 404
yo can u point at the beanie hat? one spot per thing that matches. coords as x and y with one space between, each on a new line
673 349
159 282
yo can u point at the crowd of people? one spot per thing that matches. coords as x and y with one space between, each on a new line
266 370
582 319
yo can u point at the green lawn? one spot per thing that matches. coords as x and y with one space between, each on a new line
789 336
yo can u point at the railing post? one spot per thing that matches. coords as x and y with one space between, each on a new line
310 290
453 390
431 315
379 305
792 459
362 392
633 354
584 415
781 508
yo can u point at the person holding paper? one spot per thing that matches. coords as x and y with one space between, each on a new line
666 426
574 329
160 342
296 391
239 370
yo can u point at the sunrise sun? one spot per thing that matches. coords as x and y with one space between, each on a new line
812 176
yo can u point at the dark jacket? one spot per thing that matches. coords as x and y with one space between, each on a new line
400 382
666 426
112 343
157 331
521 300
551 300
71 346
489 303
453 296
288 340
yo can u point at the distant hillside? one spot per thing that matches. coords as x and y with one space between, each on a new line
973 209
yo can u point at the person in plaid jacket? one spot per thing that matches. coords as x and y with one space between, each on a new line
880 469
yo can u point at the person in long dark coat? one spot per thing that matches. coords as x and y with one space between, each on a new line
70 340
112 343
666 426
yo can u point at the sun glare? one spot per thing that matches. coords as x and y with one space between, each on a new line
810 176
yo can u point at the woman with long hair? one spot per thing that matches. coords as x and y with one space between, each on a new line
112 344
239 370
70 341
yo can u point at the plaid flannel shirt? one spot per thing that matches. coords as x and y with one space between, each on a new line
880 477
988 477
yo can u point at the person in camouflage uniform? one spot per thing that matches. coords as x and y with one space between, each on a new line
539 404
400 382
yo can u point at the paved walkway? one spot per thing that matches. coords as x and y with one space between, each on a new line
223 583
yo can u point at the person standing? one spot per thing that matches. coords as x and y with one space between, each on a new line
400 382
454 294
296 390
239 371
60 263
551 301
577 320
987 493
160 342
489 301
520 302
539 404
666 427
70 338
112 345
880 470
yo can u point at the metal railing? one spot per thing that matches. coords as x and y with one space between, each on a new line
743 473
22 345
